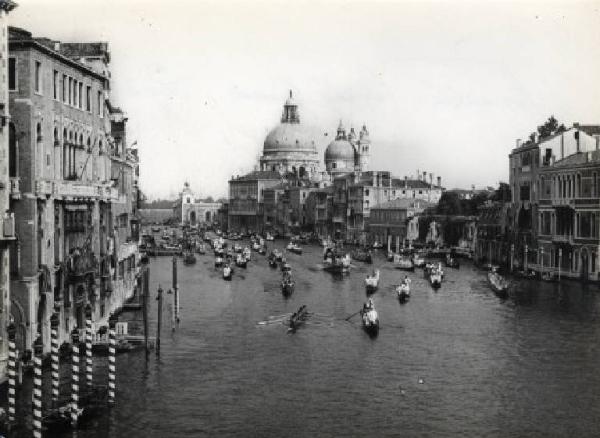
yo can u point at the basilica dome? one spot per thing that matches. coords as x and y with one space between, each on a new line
339 150
289 137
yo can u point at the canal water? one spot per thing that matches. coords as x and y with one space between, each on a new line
454 362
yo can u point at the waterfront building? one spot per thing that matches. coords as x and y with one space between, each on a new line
417 188
319 211
525 162
272 198
389 221
246 200
192 211
76 221
7 224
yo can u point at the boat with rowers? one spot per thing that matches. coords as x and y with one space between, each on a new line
298 318
293 247
404 263
241 261
287 284
403 290
372 282
370 318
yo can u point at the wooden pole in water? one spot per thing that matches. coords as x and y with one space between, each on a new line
12 373
75 378
88 348
159 298
175 291
525 262
559 261
112 350
54 323
37 387
389 239
512 256
397 244
146 294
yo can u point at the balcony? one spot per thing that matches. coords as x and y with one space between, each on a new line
563 202
43 188
8 227
15 192
562 238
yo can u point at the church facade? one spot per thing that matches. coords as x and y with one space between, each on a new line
189 210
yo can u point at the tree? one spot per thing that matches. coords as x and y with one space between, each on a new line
502 193
449 204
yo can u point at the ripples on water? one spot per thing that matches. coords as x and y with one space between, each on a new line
453 362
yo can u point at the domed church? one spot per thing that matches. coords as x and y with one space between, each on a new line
290 146
347 153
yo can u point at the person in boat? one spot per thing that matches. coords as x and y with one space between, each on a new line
406 280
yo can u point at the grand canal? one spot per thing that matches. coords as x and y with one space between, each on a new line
453 362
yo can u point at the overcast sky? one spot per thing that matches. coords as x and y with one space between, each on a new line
445 87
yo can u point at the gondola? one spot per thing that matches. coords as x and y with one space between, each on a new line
498 284
240 261
404 263
287 286
227 272
403 291
370 318
218 262
372 282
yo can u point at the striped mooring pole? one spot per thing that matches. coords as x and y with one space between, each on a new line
37 387
12 373
112 351
54 323
88 348
175 290
75 378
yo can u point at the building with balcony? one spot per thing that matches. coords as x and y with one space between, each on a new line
75 192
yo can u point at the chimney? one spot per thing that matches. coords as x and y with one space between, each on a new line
518 143
439 181
375 179
576 125
431 180
405 182
418 175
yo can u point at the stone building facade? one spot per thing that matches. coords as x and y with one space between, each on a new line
192 211
76 223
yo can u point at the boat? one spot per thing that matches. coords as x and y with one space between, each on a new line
390 256
272 263
256 246
201 249
262 250
403 263
246 252
292 247
362 255
372 282
498 284
218 262
370 318
278 255
403 290
241 261
59 420
287 285
285 266
269 237
298 318
189 258
219 252
377 245
337 265
155 229
452 262
548 276
418 261
227 272
435 278
237 248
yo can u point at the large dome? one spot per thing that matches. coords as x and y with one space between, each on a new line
339 150
289 137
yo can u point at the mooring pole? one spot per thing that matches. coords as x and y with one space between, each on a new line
37 387
159 298
88 349
175 291
54 323
112 351
75 378
525 262
146 294
172 309
559 261
512 256
12 373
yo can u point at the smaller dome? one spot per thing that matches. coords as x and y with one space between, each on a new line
339 150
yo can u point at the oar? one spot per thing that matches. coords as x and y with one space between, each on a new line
355 313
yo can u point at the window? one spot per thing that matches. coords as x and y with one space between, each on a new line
55 84
100 105
38 77
12 74
64 88
75 94
524 192
367 192
70 91
88 98
80 92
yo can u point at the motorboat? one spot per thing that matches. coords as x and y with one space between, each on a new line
227 272
403 263
370 318
498 284
372 282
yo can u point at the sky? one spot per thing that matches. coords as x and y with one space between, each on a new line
444 87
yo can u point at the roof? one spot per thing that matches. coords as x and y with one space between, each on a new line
411 183
589 129
403 203
258 174
579 158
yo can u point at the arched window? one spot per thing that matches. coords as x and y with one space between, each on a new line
81 140
89 145
12 151
38 130
56 140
